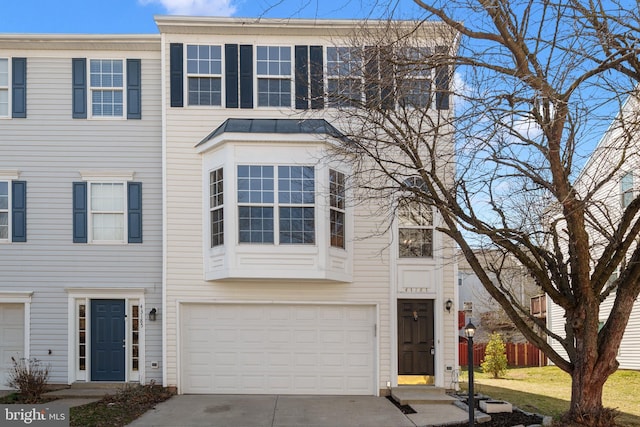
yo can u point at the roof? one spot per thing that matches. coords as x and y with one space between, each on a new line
275 126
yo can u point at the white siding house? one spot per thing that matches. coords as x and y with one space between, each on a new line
80 205
272 282
620 155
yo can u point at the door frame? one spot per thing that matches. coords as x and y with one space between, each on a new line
131 297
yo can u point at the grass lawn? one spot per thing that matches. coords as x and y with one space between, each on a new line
547 390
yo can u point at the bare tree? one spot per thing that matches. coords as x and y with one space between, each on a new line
531 82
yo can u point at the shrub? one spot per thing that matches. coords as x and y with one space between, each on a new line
495 356
30 377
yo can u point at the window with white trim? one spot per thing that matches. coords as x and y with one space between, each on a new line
413 77
107 211
216 207
626 189
5 210
4 87
336 208
276 204
204 74
415 230
274 75
344 76
107 87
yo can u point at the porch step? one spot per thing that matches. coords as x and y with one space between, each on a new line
86 390
407 395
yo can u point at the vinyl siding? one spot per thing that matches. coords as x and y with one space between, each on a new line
373 282
49 149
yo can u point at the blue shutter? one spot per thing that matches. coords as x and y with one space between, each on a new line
246 76
134 214
302 77
134 89
443 81
79 82
372 77
19 88
19 211
231 75
387 77
79 212
176 78
317 77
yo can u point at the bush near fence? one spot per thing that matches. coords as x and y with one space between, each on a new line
519 355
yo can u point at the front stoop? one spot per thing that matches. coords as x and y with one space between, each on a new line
408 395
86 390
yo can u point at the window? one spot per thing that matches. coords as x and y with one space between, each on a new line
4 87
415 230
414 78
107 212
344 76
273 66
107 83
296 196
294 199
135 337
82 337
4 210
336 208
216 207
204 73
626 189
13 210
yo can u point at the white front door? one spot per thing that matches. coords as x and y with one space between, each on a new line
11 338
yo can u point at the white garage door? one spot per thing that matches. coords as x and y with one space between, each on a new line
277 349
11 338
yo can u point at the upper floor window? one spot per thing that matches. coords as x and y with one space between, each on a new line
204 73
107 212
107 87
336 207
286 212
4 210
216 207
4 87
626 189
414 78
274 71
415 230
344 76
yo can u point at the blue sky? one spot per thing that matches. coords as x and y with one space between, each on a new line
136 16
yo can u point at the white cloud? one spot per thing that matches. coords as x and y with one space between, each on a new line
195 7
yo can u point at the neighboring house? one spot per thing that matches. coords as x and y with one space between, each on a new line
485 313
606 208
274 281
80 206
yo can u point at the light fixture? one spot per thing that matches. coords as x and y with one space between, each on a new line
152 314
469 332
448 305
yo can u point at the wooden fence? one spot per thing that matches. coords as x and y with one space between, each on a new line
518 355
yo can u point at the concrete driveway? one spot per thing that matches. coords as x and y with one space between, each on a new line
274 411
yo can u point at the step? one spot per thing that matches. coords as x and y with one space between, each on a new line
86 390
407 395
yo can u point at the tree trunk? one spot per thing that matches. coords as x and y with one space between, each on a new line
586 396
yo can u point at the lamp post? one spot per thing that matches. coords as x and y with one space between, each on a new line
469 332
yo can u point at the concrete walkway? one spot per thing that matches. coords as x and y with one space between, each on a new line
292 411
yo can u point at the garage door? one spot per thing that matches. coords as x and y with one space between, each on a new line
277 349
11 338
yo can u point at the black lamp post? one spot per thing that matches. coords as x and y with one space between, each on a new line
469 332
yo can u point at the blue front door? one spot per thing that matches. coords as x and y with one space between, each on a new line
107 340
